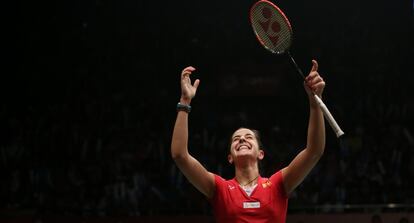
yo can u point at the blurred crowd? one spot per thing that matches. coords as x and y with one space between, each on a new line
110 156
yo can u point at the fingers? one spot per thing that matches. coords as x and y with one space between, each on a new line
314 81
313 78
314 71
316 85
196 83
187 71
314 65
186 81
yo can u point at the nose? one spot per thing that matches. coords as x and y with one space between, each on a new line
242 139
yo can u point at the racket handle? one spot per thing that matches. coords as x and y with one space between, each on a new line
338 131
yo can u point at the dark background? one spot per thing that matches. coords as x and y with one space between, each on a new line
89 89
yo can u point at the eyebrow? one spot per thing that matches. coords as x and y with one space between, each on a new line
247 134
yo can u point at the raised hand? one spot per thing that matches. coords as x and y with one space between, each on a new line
188 91
314 84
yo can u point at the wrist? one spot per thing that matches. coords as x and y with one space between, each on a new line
313 103
183 107
185 101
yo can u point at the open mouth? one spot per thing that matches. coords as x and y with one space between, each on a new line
242 147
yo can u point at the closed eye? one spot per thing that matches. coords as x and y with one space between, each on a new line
249 136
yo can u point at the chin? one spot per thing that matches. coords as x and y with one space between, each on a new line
245 156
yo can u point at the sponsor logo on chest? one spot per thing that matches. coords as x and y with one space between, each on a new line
251 204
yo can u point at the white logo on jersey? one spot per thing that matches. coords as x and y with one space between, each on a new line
251 204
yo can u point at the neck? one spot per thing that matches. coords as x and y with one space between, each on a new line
248 175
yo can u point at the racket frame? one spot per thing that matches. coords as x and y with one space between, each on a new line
327 114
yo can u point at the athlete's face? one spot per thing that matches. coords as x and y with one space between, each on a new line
244 144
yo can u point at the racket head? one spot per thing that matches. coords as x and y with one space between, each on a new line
271 26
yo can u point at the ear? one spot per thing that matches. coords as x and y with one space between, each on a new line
230 159
261 154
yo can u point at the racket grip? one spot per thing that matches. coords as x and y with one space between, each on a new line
338 131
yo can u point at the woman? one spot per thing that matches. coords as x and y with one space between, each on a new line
248 197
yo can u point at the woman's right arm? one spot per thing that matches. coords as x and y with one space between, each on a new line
189 166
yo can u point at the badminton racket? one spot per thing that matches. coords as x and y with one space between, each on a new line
274 32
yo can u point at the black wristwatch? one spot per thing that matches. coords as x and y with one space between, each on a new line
182 107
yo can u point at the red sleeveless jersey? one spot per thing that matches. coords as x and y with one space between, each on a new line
267 203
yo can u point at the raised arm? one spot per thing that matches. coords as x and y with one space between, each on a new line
189 166
303 163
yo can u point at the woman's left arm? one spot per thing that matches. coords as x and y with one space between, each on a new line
303 163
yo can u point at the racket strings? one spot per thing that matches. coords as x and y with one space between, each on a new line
264 15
